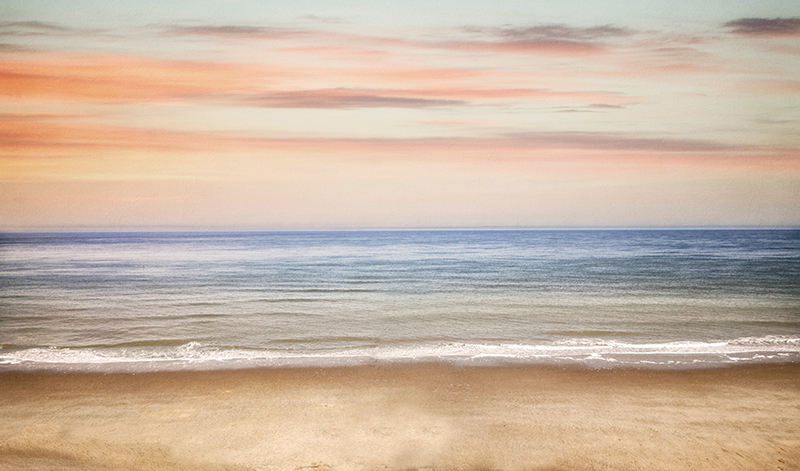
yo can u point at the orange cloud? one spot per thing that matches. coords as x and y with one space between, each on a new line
119 78
21 135
122 79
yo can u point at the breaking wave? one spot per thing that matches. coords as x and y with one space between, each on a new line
593 353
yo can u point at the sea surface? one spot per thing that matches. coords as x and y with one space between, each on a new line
145 301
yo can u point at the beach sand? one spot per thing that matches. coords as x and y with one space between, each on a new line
404 417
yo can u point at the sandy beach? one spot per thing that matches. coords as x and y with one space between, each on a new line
404 417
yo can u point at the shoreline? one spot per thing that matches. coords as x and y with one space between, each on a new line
590 353
421 416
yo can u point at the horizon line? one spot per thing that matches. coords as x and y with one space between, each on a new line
167 229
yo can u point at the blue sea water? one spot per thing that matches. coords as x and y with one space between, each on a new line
146 301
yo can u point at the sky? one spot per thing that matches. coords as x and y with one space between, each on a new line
250 114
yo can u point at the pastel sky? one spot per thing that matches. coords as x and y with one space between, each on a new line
306 114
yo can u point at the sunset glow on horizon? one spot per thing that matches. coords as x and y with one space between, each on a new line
264 115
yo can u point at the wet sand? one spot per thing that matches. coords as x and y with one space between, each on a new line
404 417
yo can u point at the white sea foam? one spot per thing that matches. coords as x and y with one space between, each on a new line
588 352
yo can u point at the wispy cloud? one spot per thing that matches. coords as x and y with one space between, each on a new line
777 87
765 26
517 93
50 131
129 79
421 97
558 32
235 31
605 106
32 28
342 98
44 132
619 142
118 78
4 47
556 38
324 19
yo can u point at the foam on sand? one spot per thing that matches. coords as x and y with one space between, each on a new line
596 353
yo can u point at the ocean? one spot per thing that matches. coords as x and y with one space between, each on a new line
160 301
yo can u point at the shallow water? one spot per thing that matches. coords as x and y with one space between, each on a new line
144 301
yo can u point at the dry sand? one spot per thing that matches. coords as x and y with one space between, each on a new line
404 417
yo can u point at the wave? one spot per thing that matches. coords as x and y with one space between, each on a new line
594 353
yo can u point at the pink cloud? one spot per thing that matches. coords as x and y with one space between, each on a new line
27 135
539 39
